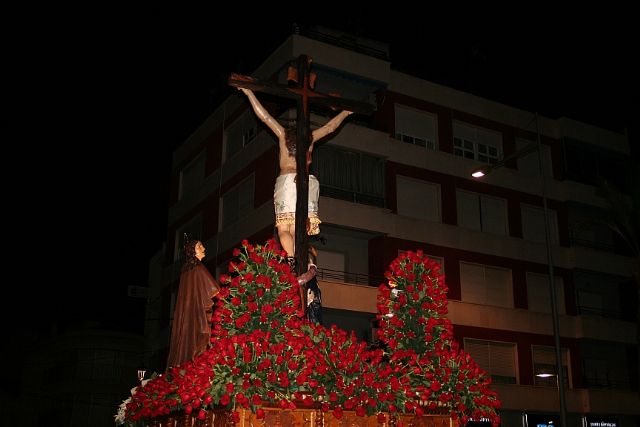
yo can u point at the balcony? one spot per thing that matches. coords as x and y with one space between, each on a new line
351 196
328 275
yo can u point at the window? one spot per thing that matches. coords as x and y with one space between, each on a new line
416 127
606 365
418 199
538 294
590 302
544 362
591 164
191 177
350 175
533 228
481 212
331 265
241 133
474 143
237 202
588 227
499 359
483 284
528 164
330 79
600 294
421 142
193 229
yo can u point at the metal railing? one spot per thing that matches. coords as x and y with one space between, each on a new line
588 243
348 277
347 42
597 311
351 196
604 382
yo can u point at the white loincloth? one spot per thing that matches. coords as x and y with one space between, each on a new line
284 201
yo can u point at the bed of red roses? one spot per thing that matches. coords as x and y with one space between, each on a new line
263 354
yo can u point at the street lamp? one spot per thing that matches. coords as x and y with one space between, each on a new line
482 171
545 375
548 375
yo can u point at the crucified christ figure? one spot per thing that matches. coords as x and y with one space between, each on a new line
284 194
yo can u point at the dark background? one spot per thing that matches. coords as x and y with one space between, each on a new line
103 99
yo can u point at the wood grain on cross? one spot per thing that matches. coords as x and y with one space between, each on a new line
303 94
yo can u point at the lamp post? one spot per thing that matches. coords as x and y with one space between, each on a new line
482 171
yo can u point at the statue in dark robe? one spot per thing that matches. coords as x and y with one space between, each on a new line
309 282
191 330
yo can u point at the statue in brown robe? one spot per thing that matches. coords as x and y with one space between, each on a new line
191 330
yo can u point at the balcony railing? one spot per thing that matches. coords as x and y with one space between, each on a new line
348 277
351 196
347 42
598 311
589 243
604 382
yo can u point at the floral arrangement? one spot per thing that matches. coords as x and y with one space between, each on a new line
411 310
262 354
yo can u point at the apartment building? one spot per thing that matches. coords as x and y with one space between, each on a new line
400 180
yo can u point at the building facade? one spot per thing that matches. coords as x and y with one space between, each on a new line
400 180
87 372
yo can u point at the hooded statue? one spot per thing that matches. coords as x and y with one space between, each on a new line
191 330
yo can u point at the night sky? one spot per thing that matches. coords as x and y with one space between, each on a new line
104 100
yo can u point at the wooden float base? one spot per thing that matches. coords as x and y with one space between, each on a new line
275 417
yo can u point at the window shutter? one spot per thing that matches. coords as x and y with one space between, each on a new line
415 123
503 359
472 283
418 199
538 294
496 358
533 224
499 287
468 210
191 177
494 215
479 351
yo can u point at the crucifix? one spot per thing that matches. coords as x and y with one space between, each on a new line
297 158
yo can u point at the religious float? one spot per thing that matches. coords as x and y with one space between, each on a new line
267 367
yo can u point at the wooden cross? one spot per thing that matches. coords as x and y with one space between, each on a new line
303 93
